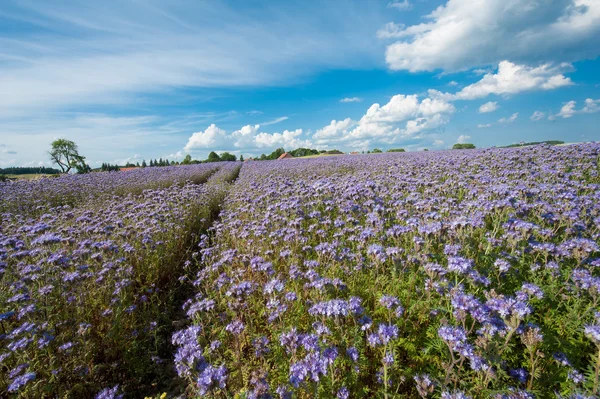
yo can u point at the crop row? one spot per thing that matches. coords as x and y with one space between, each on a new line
89 294
35 197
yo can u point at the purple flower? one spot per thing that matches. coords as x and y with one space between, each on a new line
593 333
109 393
343 393
236 327
20 381
211 378
352 354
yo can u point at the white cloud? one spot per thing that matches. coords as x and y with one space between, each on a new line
438 143
247 138
537 115
510 119
209 138
84 54
274 121
463 138
488 107
512 79
334 129
390 30
403 116
568 110
453 83
287 139
483 126
591 106
402 5
351 100
462 34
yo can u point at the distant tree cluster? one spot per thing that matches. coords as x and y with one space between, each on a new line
29 170
463 146
106 167
156 163
274 155
522 144
303 152
224 157
396 150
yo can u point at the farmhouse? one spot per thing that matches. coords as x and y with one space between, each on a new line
286 155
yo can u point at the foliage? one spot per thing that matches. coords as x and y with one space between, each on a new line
106 167
523 144
187 160
19 170
302 152
396 150
463 146
226 156
376 151
65 154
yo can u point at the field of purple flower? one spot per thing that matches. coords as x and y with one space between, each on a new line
436 274
87 286
449 274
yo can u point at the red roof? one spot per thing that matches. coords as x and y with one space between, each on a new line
285 155
127 169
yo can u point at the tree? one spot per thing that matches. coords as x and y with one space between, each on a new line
396 150
226 156
65 154
463 146
377 151
213 157
241 158
277 153
187 160
144 163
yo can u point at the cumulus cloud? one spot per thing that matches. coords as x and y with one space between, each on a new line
537 115
462 34
209 138
483 126
568 109
334 129
591 106
488 107
463 138
248 137
512 79
510 119
402 117
351 100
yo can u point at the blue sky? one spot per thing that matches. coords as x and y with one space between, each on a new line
133 80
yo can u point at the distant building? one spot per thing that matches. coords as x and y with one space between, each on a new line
286 155
128 169
354 153
249 159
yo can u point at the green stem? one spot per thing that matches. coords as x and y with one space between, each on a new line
597 373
